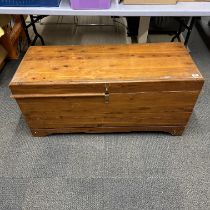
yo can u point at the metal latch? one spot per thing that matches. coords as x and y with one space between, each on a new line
106 95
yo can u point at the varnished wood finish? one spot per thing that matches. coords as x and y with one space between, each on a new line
136 109
122 63
173 130
111 88
123 87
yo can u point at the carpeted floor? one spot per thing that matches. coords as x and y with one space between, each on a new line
106 172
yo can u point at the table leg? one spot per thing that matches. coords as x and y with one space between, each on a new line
32 24
190 27
37 35
143 29
25 29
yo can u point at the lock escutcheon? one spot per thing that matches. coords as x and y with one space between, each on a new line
106 95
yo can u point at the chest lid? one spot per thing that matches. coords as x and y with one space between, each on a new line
56 69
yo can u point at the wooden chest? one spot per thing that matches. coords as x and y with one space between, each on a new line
107 88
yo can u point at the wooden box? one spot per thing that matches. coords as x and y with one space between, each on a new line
14 37
110 88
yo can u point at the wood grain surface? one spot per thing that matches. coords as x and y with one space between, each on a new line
122 110
110 88
173 130
106 63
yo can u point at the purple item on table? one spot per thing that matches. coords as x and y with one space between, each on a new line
90 4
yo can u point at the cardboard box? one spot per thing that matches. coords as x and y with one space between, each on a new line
149 1
159 1
1 32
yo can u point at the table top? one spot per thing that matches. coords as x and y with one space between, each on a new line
118 9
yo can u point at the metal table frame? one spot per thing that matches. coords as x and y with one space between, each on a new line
190 9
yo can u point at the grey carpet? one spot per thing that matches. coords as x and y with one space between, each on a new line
106 172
